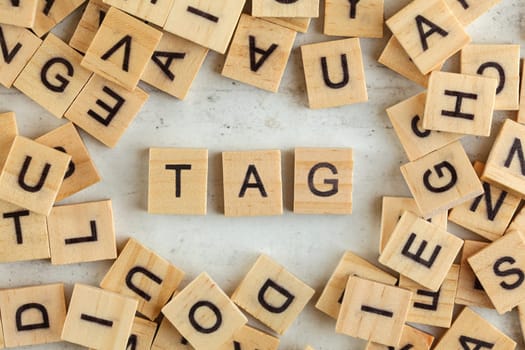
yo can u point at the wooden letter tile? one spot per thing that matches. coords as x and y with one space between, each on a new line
21 44
363 19
467 11
259 53
32 175
18 14
248 338
121 49
373 311
169 338
90 22
518 222
471 331
178 181
272 295
81 172
204 314
406 118
81 233
274 8
442 179
141 274
334 73
411 339
429 33
421 251
53 77
209 23
155 12
99 319
142 334
252 183
50 13
9 130
323 181
500 269
350 265
105 110
174 65
488 215
298 24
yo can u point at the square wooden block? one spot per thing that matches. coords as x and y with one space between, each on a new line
460 103
429 32
421 251
252 183
82 232
373 311
363 19
407 119
32 175
323 181
334 73
121 49
209 23
99 319
471 331
488 215
442 179
204 314
505 165
298 24
499 268
521 112
50 13
141 274
467 11
259 53
9 132
272 295
81 172
33 315
178 180
350 265
155 12
411 339
21 44
470 291
169 338
23 234
433 308
20 14
105 110
142 334
174 65
90 22
274 8
53 77
248 338
518 222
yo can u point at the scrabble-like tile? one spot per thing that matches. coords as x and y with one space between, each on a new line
518 222
471 331
334 73
33 315
248 338
252 183
488 215
204 314
421 251
50 13
99 319
32 175
174 65
23 234
81 172
155 12
279 9
470 291
141 274
209 23
323 181
429 32
105 110
433 308
178 179
467 11
272 295
259 53
442 179
407 119
142 334
9 131
350 265
81 233
500 269
411 339
121 48
169 338
20 14
20 46
363 18
298 24
373 311
521 112
53 77
90 22
501 62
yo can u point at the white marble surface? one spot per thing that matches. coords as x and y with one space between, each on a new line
220 114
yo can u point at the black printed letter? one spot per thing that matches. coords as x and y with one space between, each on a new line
492 211
126 41
439 171
501 73
376 311
49 5
145 272
63 81
254 64
178 170
503 273
479 344
252 170
416 130
18 227
213 308
23 172
353 8
516 148
326 75
456 113
112 111
417 256
434 28
91 238
427 293
30 327
8 56
71 168
289 297
334 182
165 66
